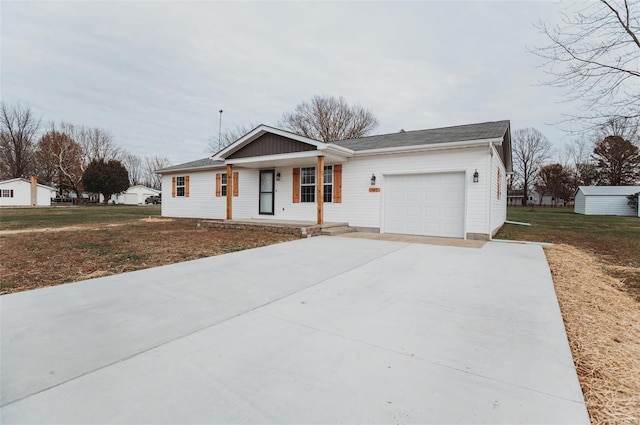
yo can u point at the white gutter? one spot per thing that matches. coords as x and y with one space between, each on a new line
201 168
338 150
435 146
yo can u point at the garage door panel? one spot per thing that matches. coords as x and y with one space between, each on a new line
425 204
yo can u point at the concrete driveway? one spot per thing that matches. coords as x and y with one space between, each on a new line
321 330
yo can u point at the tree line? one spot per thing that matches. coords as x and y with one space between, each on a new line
610 156
59 154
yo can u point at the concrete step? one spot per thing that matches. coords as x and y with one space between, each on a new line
336 230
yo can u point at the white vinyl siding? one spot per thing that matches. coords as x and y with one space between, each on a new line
22 193
498 178
202 201
359 207
603 205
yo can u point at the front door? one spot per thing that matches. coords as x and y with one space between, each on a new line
266 191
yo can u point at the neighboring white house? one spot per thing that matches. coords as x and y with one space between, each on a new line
442 182
24 193
135 195
605 200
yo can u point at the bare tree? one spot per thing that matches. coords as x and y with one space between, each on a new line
97 144
530 149
627 128
60 156
151 164
227 137
327 118
579 162
18 129
135 167
594 56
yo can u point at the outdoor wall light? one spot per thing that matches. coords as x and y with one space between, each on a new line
278 176
476 176
373 179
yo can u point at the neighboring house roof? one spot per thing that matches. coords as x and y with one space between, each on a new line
204 163
28 182
515 193
609 190
459 133
143 187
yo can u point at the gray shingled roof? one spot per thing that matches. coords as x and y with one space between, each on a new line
486 130
199 163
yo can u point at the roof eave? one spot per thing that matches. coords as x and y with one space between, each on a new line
429 147
201 168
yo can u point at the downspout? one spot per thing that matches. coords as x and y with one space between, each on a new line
489 180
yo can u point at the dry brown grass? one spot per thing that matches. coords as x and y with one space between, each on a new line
602 320
34 258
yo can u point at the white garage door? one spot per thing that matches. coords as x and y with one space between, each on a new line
131 198
425 204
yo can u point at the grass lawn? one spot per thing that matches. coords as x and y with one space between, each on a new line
49 246
25 218
614 240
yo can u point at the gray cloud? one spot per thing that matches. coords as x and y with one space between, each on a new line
155 74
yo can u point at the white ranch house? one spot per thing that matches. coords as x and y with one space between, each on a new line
25 193
448 182
605 200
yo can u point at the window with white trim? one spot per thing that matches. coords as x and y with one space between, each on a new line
308 184
328 183
223 184
6 193
180 186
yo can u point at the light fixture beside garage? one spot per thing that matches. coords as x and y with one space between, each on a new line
278 176
476 176
373 179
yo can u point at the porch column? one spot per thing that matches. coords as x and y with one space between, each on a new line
320 189
229 191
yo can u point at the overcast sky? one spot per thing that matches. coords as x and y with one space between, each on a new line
155 74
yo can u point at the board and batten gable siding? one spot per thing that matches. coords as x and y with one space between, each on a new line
201 202
498 193
271 144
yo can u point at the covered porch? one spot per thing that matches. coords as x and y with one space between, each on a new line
267 151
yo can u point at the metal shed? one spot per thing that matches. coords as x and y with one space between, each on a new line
605 200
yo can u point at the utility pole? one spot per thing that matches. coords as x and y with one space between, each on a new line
220 131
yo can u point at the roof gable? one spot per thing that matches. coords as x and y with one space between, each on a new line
256 135
271 144
25 181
